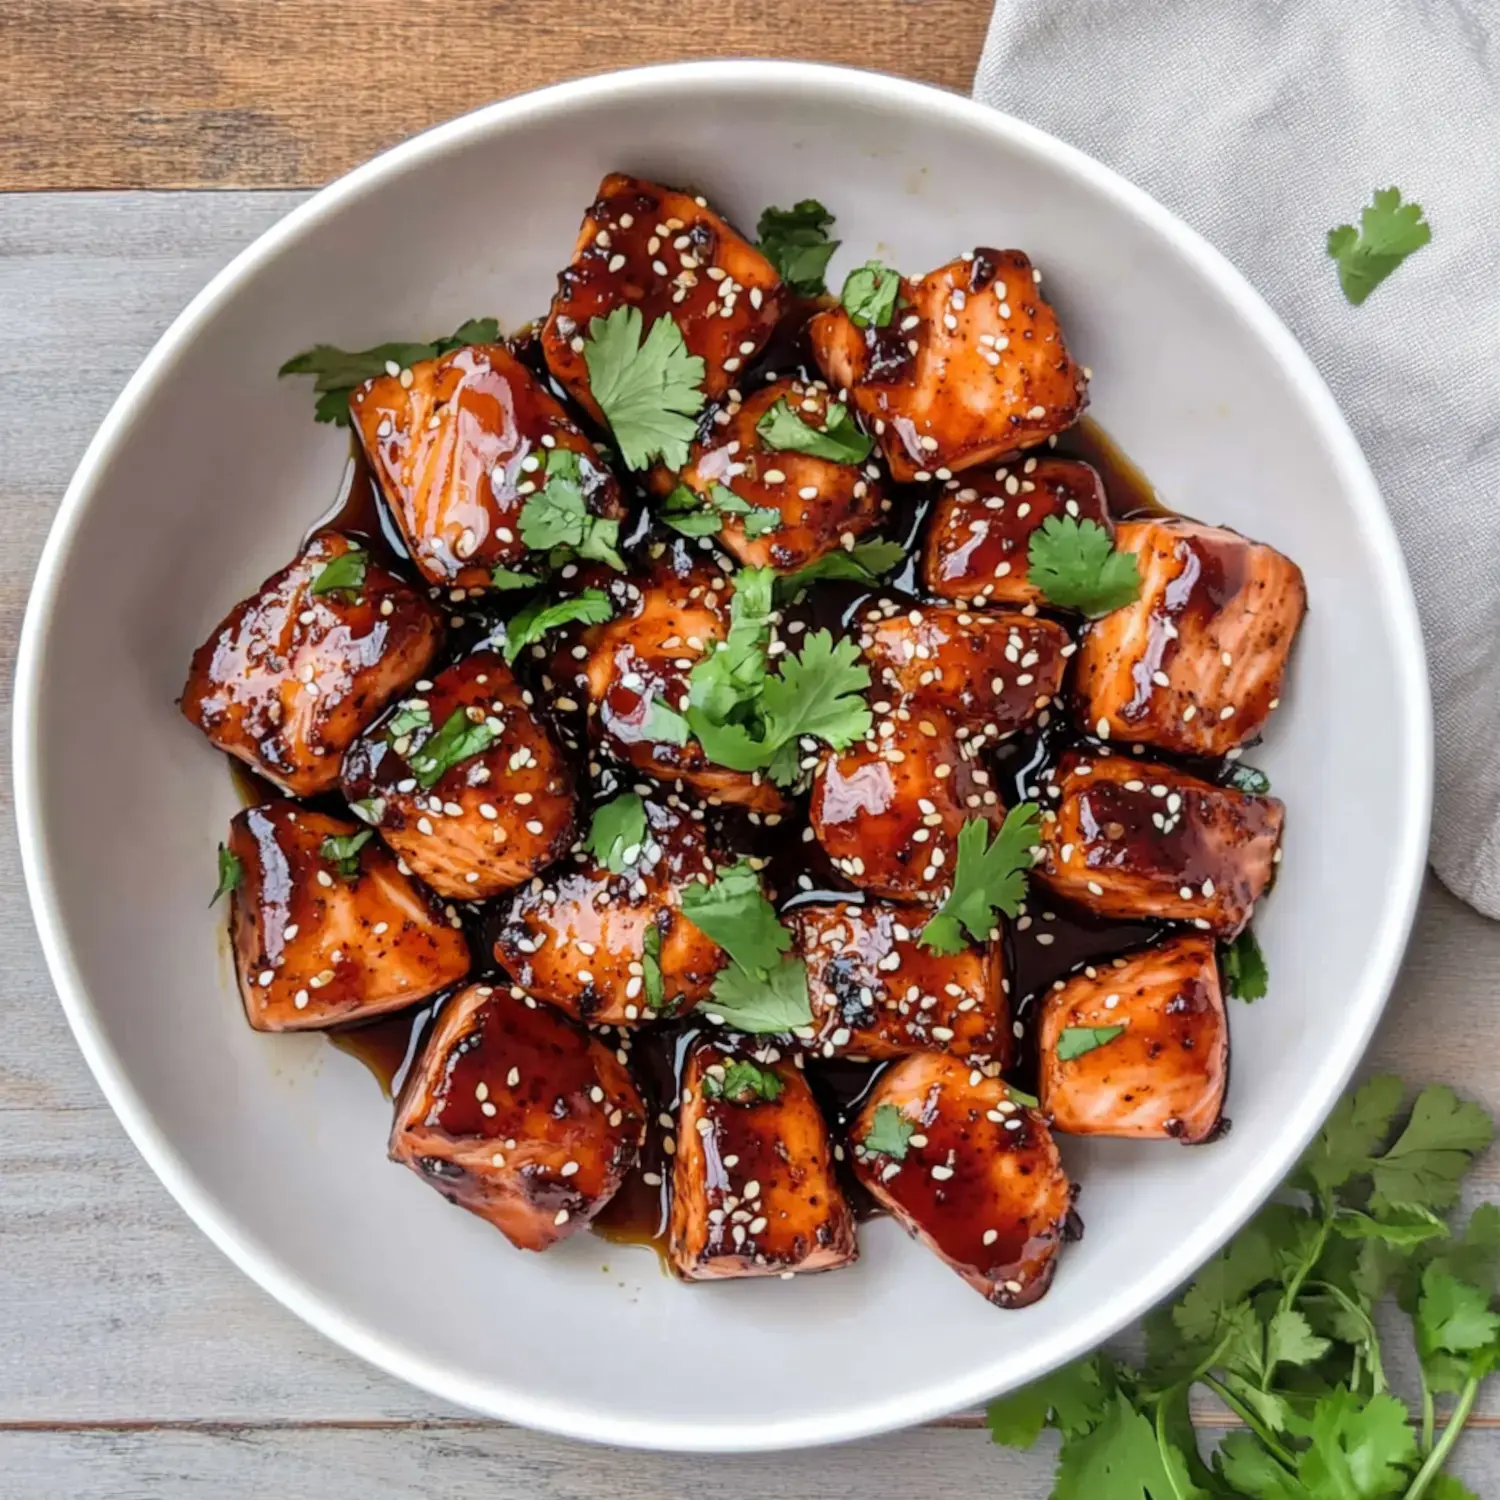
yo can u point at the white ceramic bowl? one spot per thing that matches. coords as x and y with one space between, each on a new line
207 471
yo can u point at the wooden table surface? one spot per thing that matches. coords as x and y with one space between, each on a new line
134 1360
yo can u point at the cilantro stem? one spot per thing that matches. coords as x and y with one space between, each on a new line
1251 1421
1372 1340
1429 1415
1164 1446
1439 1455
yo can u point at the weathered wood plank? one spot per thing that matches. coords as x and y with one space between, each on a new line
288 93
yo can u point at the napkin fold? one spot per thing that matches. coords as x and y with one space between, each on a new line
1264 123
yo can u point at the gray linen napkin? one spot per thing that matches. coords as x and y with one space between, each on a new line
1264 123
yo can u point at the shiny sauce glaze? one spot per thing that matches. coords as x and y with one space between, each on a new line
1048 941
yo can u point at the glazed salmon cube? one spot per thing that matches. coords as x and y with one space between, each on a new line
1125 838
465 782
671 256
1138 1047
978 542
1196 664
888 811
971 366
295 672
972 1174
579 938
877 993
753 1186
326 927
645 655
991 673
517 1114
459 444
786 508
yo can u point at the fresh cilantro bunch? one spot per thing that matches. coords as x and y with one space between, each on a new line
1389 230
338 373
1281 1325
749 718
795 241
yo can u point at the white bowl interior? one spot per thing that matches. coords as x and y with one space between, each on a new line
203 486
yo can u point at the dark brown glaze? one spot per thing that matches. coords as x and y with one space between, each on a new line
518 1115
754 1187
314 946
822 504
459 444
389 1045
981 1183
1164 1075
972 367
889 810
977 546
647 652
670 255
877 993
1128 838
576 937
492 819
1195 665
990 673
289 678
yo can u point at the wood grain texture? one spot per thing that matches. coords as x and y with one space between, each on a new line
134 1360
287 93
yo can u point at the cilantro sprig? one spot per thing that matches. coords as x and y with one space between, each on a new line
697 514
338 373
529 625
870 294
342 850
231 873
1074 563
795 241
344 574
1389 230
649 389
889 1134
989 878
868 562
744 1083
838 439
557 515
458 739
1243 966
1281 1326
618 833
1079 1041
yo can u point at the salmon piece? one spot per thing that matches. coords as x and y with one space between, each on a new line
804 506
322 936
504 807
517 1114
670 255
978 542
975 1176
1164 1075
971 366
1126 838
577 939
877 993
645 654
458 445
753 1186
888 811
991 673
1195 665
290 677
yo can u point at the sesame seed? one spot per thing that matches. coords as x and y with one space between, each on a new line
562 1216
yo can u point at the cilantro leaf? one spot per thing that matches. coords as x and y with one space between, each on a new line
407 719
649 390
1244 967
344 574
695 514
1244 1462
1122 1457
1475 1255
1079 1041
1400 1227
795 241
816 695
838 439
651 977
867 563
1360 1449
504 578
758 1001
1360 1122
231 872
1452 1316
889 1134
1424 1165
744 1082
988 878
1389 230
870 293
618 832
1073 1399
459 739
369 809
1074 563
1291 1341
591 607
338 373
343 849
1245 778
734 913
557 515
1446 1487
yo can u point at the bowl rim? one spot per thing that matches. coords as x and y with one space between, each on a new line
1011 1367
